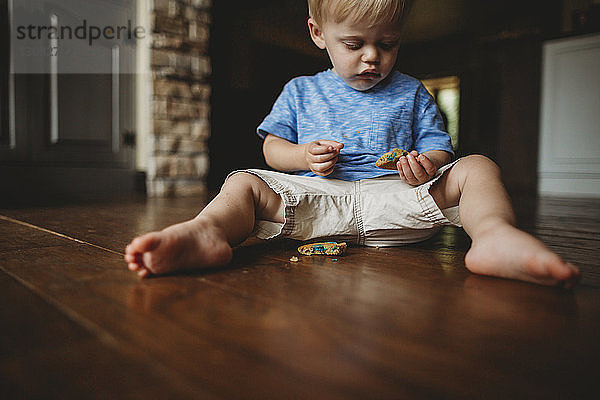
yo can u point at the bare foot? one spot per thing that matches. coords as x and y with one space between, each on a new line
193 244
508 252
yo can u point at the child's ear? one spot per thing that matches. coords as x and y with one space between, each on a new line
316 34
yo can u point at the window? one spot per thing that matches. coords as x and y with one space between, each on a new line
446 92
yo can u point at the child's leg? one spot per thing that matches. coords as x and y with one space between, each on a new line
207 239
498 248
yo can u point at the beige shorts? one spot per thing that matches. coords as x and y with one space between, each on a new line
381 211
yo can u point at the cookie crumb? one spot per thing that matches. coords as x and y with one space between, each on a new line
294 259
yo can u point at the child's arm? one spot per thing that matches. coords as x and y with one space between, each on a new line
319 156
416 169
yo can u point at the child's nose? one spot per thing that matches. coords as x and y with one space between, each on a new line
370 54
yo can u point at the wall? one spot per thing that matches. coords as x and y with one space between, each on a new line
177 107
571 8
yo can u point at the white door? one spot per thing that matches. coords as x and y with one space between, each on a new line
569 149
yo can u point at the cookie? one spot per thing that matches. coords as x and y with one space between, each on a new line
326 248
388 160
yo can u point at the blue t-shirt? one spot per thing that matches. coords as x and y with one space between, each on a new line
397 112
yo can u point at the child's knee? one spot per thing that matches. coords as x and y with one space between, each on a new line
246 181
240 180
473 168
268 204
478 163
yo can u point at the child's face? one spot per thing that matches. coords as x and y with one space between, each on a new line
361 55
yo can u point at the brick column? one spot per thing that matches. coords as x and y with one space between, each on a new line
180 66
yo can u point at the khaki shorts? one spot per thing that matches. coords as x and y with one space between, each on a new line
381 211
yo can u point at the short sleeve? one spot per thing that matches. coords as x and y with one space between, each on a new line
282 120
429 132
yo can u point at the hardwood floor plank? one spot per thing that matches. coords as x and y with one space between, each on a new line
43 354
568 226
15 237
203 358
108 224
441 305
323 325
407 322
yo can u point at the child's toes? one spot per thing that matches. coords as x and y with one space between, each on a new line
133 266
573 277
145 243
129 257
560 270
143 272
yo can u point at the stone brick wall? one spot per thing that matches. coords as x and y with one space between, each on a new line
180 68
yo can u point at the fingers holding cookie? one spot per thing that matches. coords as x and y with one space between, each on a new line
415 169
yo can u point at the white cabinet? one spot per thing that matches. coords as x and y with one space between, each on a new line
569 147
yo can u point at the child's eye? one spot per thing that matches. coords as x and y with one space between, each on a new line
387 45
352 45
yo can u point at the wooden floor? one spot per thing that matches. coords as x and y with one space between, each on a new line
393 323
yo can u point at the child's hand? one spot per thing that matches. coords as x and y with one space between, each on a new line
416 169
321 156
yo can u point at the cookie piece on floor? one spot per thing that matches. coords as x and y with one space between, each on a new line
388 160
326 248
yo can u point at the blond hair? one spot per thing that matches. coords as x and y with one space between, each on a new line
370 11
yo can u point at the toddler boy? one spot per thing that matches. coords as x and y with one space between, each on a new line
324 134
